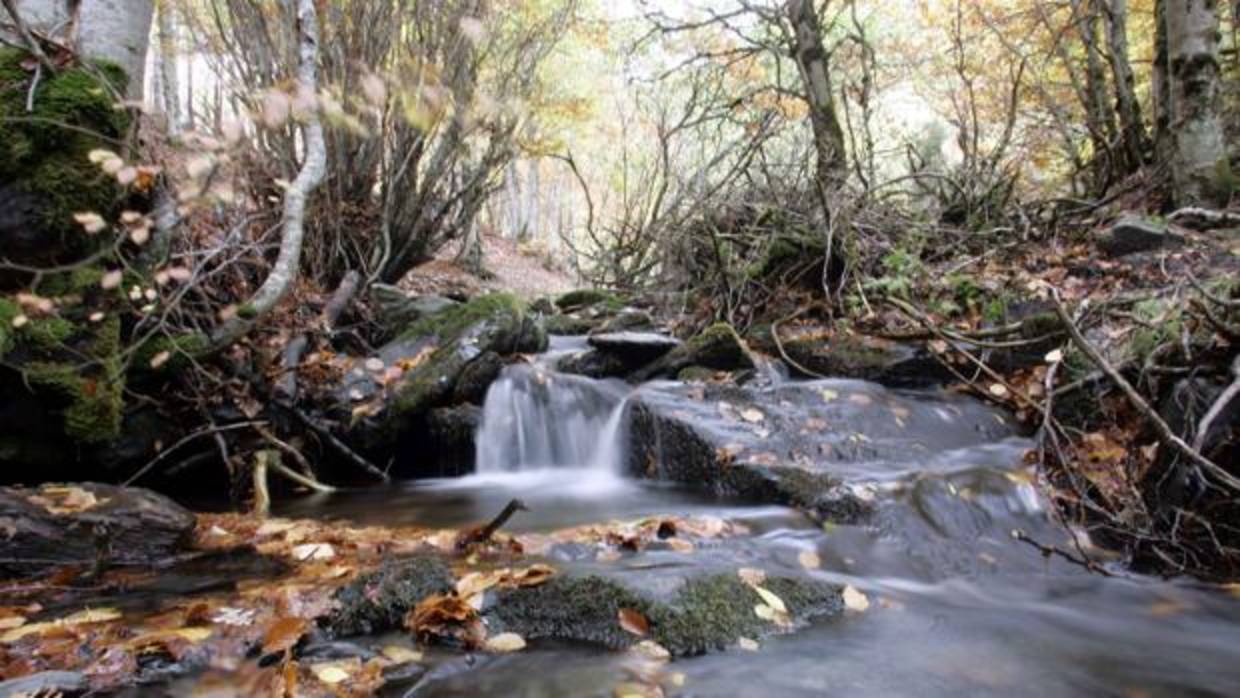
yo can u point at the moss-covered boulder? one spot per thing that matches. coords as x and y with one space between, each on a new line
444 359
705 614
893 364
378 601
45 171
718 348
584 298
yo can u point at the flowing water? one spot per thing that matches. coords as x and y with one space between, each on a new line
957 606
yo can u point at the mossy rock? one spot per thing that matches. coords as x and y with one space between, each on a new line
44 164
569 325
378 602
586 297
717 348
706 614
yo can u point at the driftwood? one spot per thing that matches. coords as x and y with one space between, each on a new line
482 534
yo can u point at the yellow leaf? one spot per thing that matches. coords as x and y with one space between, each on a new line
809 560
747 644
401 655
855 599
506 642
330 674
771 599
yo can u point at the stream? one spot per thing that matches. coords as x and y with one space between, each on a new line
957 606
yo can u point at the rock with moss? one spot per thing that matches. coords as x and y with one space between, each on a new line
434 355
718 348
893 364
796 443
45 172
618 354
587 297
706 613
378 601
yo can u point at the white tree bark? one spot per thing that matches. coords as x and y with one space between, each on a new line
313 167
168 58
1199 163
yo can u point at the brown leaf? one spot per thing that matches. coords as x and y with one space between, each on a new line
283 634
633 622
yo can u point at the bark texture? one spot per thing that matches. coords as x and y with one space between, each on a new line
813 64
1199 163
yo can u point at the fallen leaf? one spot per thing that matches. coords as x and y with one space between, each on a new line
751 576
633 622
283 634
752 415
401 655
506 642
1054 357
855 599
809 560
747 644
651 650
330 674
770 599
313 551
96 615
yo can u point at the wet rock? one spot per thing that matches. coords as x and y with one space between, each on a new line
596 364
1132 234
634 347
718 347
889 363
446 357
446 442
397 309
703 614
628 320
798 443
477 376
570 325
45 683
88 524
378 602
328 651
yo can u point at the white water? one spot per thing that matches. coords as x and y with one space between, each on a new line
539 424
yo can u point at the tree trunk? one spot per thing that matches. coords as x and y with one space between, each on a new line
171 94
308 178
110 30
1199 161
813 64
1161 86
1133 139
1100 119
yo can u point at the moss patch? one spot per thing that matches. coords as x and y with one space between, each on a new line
707 613
377 602
586 297
94 391
44 152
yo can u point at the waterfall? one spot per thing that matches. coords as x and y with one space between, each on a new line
537 419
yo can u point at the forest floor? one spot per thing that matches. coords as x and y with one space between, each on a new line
508 266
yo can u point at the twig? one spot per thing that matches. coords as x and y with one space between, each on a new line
31 43
339 446
208 431
1164 430
1049 550
483 534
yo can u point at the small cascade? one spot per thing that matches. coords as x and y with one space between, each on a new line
537 419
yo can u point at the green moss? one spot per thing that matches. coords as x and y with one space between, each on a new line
585 297
94 392
707 613
378 602
451 322
569 325
8 311
46 333
720 348
44 151
181 348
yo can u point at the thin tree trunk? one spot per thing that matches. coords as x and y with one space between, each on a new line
308 178
1199 161
1098 112
1134 141
168 66
1161 86
813 64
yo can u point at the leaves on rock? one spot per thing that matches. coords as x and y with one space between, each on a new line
633 622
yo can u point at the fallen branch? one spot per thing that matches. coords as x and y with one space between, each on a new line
484 533
1204 219
1164 430
335 443
1219 405
209 431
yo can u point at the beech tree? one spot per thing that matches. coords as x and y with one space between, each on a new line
111 30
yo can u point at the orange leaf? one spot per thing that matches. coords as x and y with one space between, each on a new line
633 622
283 634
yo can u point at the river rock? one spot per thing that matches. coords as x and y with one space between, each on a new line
88 524
702 614
378 601
892 364
429 360
1132 234
397 309
718 347
45 683
802 444
637 347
